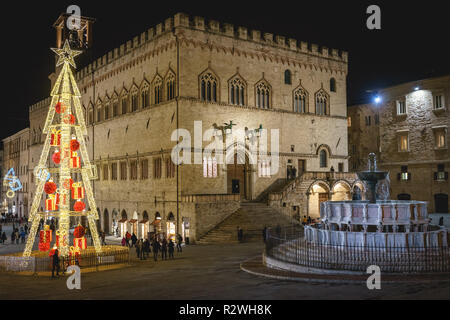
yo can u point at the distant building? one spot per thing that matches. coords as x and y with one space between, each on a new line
410 137
16 155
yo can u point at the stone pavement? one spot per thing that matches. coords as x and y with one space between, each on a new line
203 272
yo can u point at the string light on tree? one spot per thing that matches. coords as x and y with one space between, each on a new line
65 128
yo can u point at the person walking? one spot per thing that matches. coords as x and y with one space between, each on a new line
133 240
304 221
156 247
13 237
146 248
17 236
22 236
179 242
124 242
138 249
103 238
55 262
171 249
164 249
128 237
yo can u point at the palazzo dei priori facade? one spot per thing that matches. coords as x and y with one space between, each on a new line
189 69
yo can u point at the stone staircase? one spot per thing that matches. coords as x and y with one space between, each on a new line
252 217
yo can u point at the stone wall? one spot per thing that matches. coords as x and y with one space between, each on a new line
205 216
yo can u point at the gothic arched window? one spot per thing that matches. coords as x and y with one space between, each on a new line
145 95
208 87
322 103
300 100
134 100
237 89
263 95
170 86
157 88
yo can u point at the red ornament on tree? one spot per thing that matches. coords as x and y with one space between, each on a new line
50 187
69 119
68 184
74 145
58 107
79 206
79 232
56 157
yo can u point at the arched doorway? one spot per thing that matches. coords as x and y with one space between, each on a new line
341 192
115 223
239 175
134 224
123 224
144 225
441 203
318 192
106 226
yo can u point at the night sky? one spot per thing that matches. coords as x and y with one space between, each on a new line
413 43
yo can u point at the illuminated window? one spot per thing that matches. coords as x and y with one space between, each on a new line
404 175
438 100
322 103
300 100
237 88
263 95
401 107
349 122
441 174
403 142
209 167
439 138
208 87
264 169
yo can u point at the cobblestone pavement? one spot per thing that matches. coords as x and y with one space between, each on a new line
203 272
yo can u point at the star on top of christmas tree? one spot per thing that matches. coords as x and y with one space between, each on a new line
66 54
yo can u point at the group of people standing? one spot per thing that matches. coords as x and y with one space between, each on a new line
161 246
18 233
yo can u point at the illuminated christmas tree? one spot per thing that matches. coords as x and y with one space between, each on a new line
65 128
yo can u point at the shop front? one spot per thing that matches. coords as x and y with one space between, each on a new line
123 224
171 227
155 228
185 230
144 226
